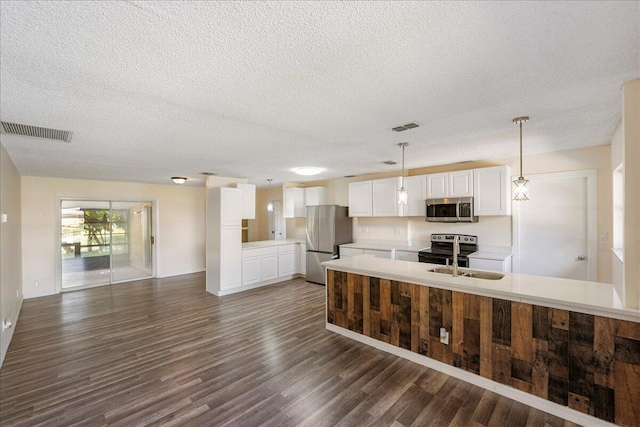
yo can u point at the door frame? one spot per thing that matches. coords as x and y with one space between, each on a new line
155 203
592 217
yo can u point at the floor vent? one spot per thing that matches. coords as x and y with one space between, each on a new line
405 127
35 131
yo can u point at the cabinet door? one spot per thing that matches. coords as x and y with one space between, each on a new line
293 203
437 185
250 271
302 260
248 191
314 196
231 258
486 264
491 195
461 183
417 188
269 267
347 252
287 264
231 208
385 196
406 256
360 198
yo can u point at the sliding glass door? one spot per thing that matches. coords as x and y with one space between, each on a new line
105 241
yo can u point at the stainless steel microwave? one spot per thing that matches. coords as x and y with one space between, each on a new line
450 210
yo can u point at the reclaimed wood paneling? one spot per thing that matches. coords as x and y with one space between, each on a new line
588 363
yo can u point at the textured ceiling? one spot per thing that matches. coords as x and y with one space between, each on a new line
254 89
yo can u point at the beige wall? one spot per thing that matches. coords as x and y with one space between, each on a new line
631 121
180 241
10 248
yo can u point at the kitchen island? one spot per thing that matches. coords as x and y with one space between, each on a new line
563 346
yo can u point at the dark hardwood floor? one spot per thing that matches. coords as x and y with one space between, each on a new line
166 353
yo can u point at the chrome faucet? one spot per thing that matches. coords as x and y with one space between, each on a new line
456 252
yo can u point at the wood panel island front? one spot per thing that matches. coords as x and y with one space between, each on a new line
563 346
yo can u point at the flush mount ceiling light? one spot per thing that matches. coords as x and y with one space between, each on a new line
403 194
520 189
179 179
270 203
307 170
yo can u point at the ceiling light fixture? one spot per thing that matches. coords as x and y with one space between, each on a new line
307 170
179 179
270 203
403 194
520 189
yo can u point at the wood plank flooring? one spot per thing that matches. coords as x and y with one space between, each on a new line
166 353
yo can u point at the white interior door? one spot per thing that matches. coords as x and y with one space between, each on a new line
554 231
277 222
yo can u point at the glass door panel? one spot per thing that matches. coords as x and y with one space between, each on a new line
131 240
85 243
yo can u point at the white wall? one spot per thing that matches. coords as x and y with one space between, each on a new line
180 242
10 248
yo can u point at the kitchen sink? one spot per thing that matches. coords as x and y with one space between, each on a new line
448 271
468 273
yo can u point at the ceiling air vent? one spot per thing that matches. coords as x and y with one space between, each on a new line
405 127
35 131
389 162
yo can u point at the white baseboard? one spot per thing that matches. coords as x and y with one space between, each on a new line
164 276
3 352
504 390
39 294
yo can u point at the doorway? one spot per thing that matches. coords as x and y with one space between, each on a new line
277 223
555 231
104 242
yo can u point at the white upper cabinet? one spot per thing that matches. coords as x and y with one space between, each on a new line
492 195
230 207
294 206
461 183
417 188
248 200
314 196
450 184
360 196
385 196
437 185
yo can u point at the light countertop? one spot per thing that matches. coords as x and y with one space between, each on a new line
269 243
387 246
575 295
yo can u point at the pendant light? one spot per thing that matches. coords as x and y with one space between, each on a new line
270 203
521 189
403 194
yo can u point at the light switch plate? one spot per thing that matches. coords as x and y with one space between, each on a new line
4 217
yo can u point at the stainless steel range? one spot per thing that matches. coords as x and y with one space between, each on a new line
441 251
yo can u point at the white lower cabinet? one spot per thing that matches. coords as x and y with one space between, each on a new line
250 270
378 253
287 260
269 267
346 252
406 256
490 264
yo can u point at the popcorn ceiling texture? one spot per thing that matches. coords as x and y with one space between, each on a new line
254 89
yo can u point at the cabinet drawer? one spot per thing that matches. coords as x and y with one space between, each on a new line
407 256
254 252
287 248
378 253
489 264
350 251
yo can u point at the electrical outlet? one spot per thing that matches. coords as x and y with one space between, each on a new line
17 293
37 283
397 231
602 246
603 235
365 229
444 336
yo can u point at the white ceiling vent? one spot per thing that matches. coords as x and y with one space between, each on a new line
35 131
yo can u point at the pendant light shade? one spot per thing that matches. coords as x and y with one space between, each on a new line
270 203
520 185
403 194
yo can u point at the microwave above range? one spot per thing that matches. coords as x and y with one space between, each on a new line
458 209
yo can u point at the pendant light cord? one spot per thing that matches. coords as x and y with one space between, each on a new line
520 149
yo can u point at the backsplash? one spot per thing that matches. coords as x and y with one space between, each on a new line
491 230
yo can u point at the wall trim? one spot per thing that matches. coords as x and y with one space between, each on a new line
11 331
501 389
258 285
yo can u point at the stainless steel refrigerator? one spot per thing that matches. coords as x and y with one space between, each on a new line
327 227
